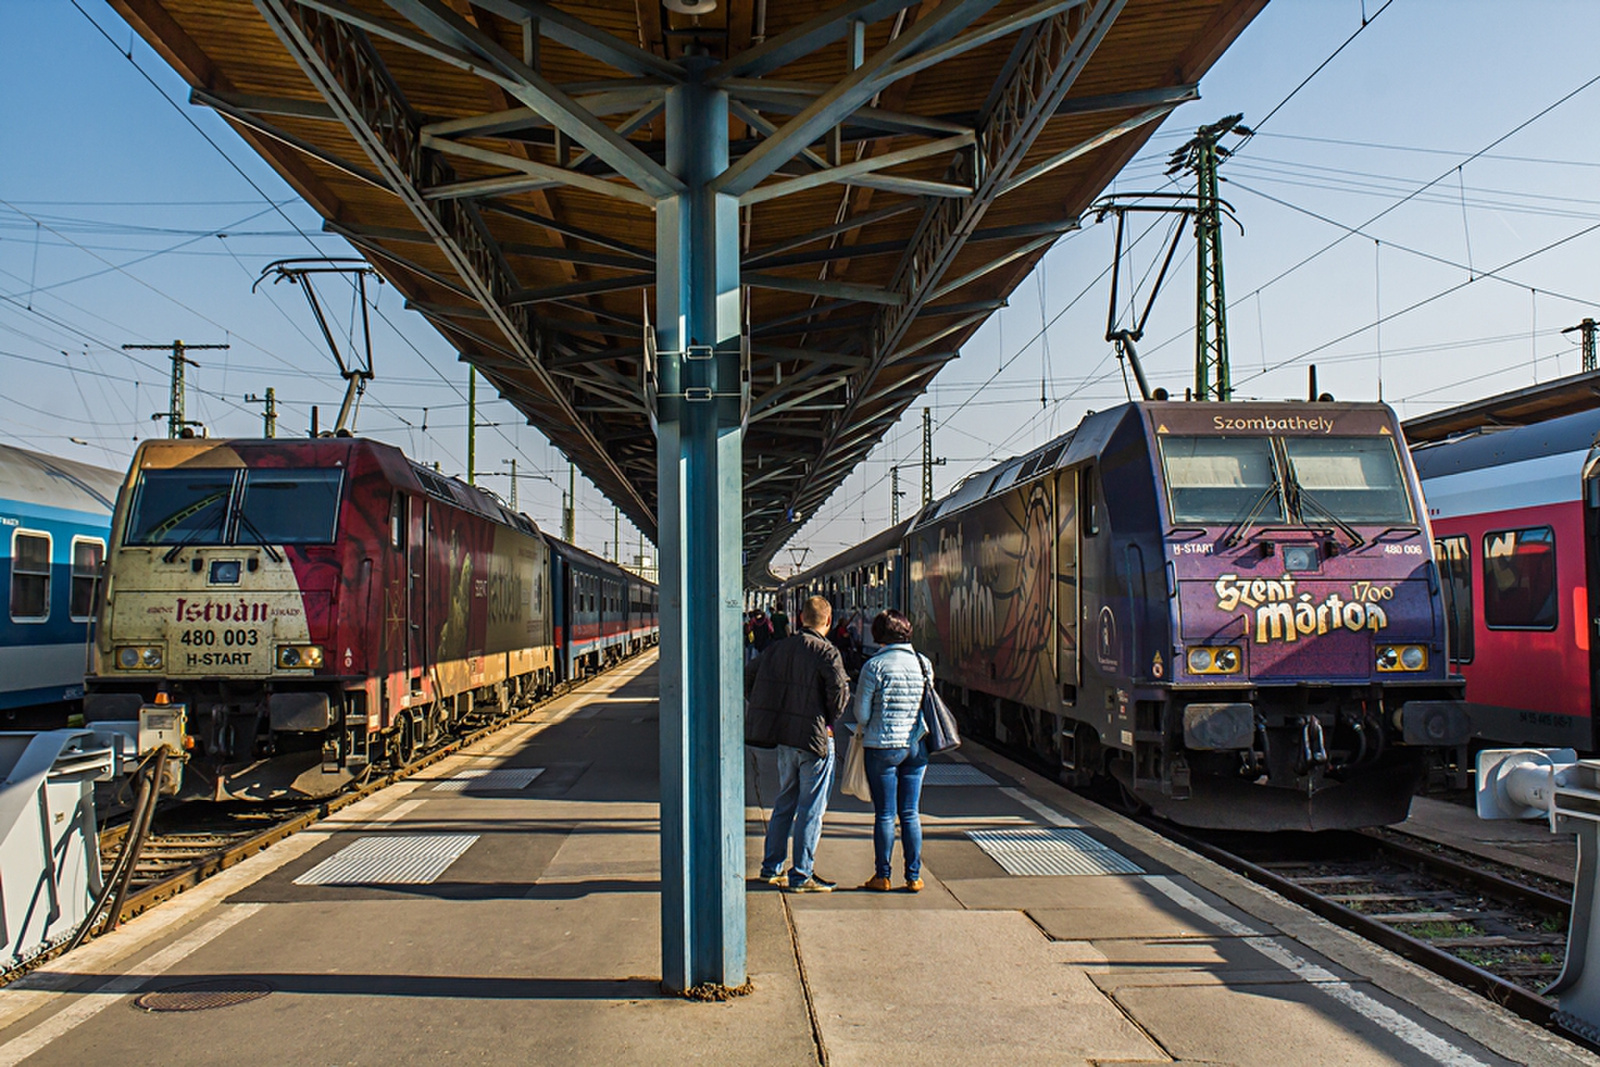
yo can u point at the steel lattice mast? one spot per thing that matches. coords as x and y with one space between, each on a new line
1201 155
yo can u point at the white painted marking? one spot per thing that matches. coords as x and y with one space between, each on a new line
1037 851
1043 810
1407 1030
483 780
398 859
939 774
93 1002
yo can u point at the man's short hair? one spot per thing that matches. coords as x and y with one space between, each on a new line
815 612
891 628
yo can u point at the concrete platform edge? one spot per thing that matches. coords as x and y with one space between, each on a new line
1475 1017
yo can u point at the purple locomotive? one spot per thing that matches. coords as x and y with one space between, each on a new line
1232 610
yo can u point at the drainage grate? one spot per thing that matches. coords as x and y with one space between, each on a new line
1040 851
504 780
399 859
955 774
203 995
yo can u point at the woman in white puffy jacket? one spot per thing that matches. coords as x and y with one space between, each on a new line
889 711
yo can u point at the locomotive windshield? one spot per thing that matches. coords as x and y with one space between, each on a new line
1222 479
1268 480
216 506
180 507
1356 478
288 507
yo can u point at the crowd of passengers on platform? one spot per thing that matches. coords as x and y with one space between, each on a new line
798 690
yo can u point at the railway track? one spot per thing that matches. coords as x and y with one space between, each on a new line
189 843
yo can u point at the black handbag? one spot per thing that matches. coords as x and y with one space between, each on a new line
942 735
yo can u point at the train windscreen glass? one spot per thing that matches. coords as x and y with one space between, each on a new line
1221 479
180 507
288 507
1356 478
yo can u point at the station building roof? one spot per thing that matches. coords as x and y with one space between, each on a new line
495 160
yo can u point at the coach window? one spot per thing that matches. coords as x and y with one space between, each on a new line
30 576
397 521
1519 579
87 555
1455 567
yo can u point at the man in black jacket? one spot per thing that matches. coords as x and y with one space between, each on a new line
797 689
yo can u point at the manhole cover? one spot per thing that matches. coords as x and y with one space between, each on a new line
203 995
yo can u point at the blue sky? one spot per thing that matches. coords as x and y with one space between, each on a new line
120 223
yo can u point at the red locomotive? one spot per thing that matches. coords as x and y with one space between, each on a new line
323 605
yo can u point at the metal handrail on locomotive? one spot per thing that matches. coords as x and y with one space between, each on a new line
320 606
1231 609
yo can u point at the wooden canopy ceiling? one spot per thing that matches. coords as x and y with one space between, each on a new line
494 160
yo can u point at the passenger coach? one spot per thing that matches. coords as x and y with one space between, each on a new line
55 515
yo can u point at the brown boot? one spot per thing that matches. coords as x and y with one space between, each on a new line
878 884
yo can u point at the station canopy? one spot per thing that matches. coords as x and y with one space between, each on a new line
900 168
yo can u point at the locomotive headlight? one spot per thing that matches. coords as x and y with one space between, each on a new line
1224 660
139 657
299 657
1402 658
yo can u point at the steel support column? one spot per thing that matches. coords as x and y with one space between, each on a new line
699 446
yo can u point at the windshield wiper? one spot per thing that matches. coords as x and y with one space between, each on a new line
261 538
1303 498
1245 524
178 546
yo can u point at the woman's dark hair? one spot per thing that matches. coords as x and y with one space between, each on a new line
891 628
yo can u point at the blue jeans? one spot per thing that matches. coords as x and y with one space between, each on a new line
804 779
895 777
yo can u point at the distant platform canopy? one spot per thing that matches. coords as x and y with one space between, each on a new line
1519 407
899 166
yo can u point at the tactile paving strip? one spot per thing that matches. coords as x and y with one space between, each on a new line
955 774
1041 851
397 859
506 779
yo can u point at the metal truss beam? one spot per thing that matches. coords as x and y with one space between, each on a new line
574 290
1057 50
351 78
851 92
582 37
541 172
577 233
849 291
253 120
449 38
782 49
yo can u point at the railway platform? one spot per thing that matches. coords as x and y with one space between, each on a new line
502 907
